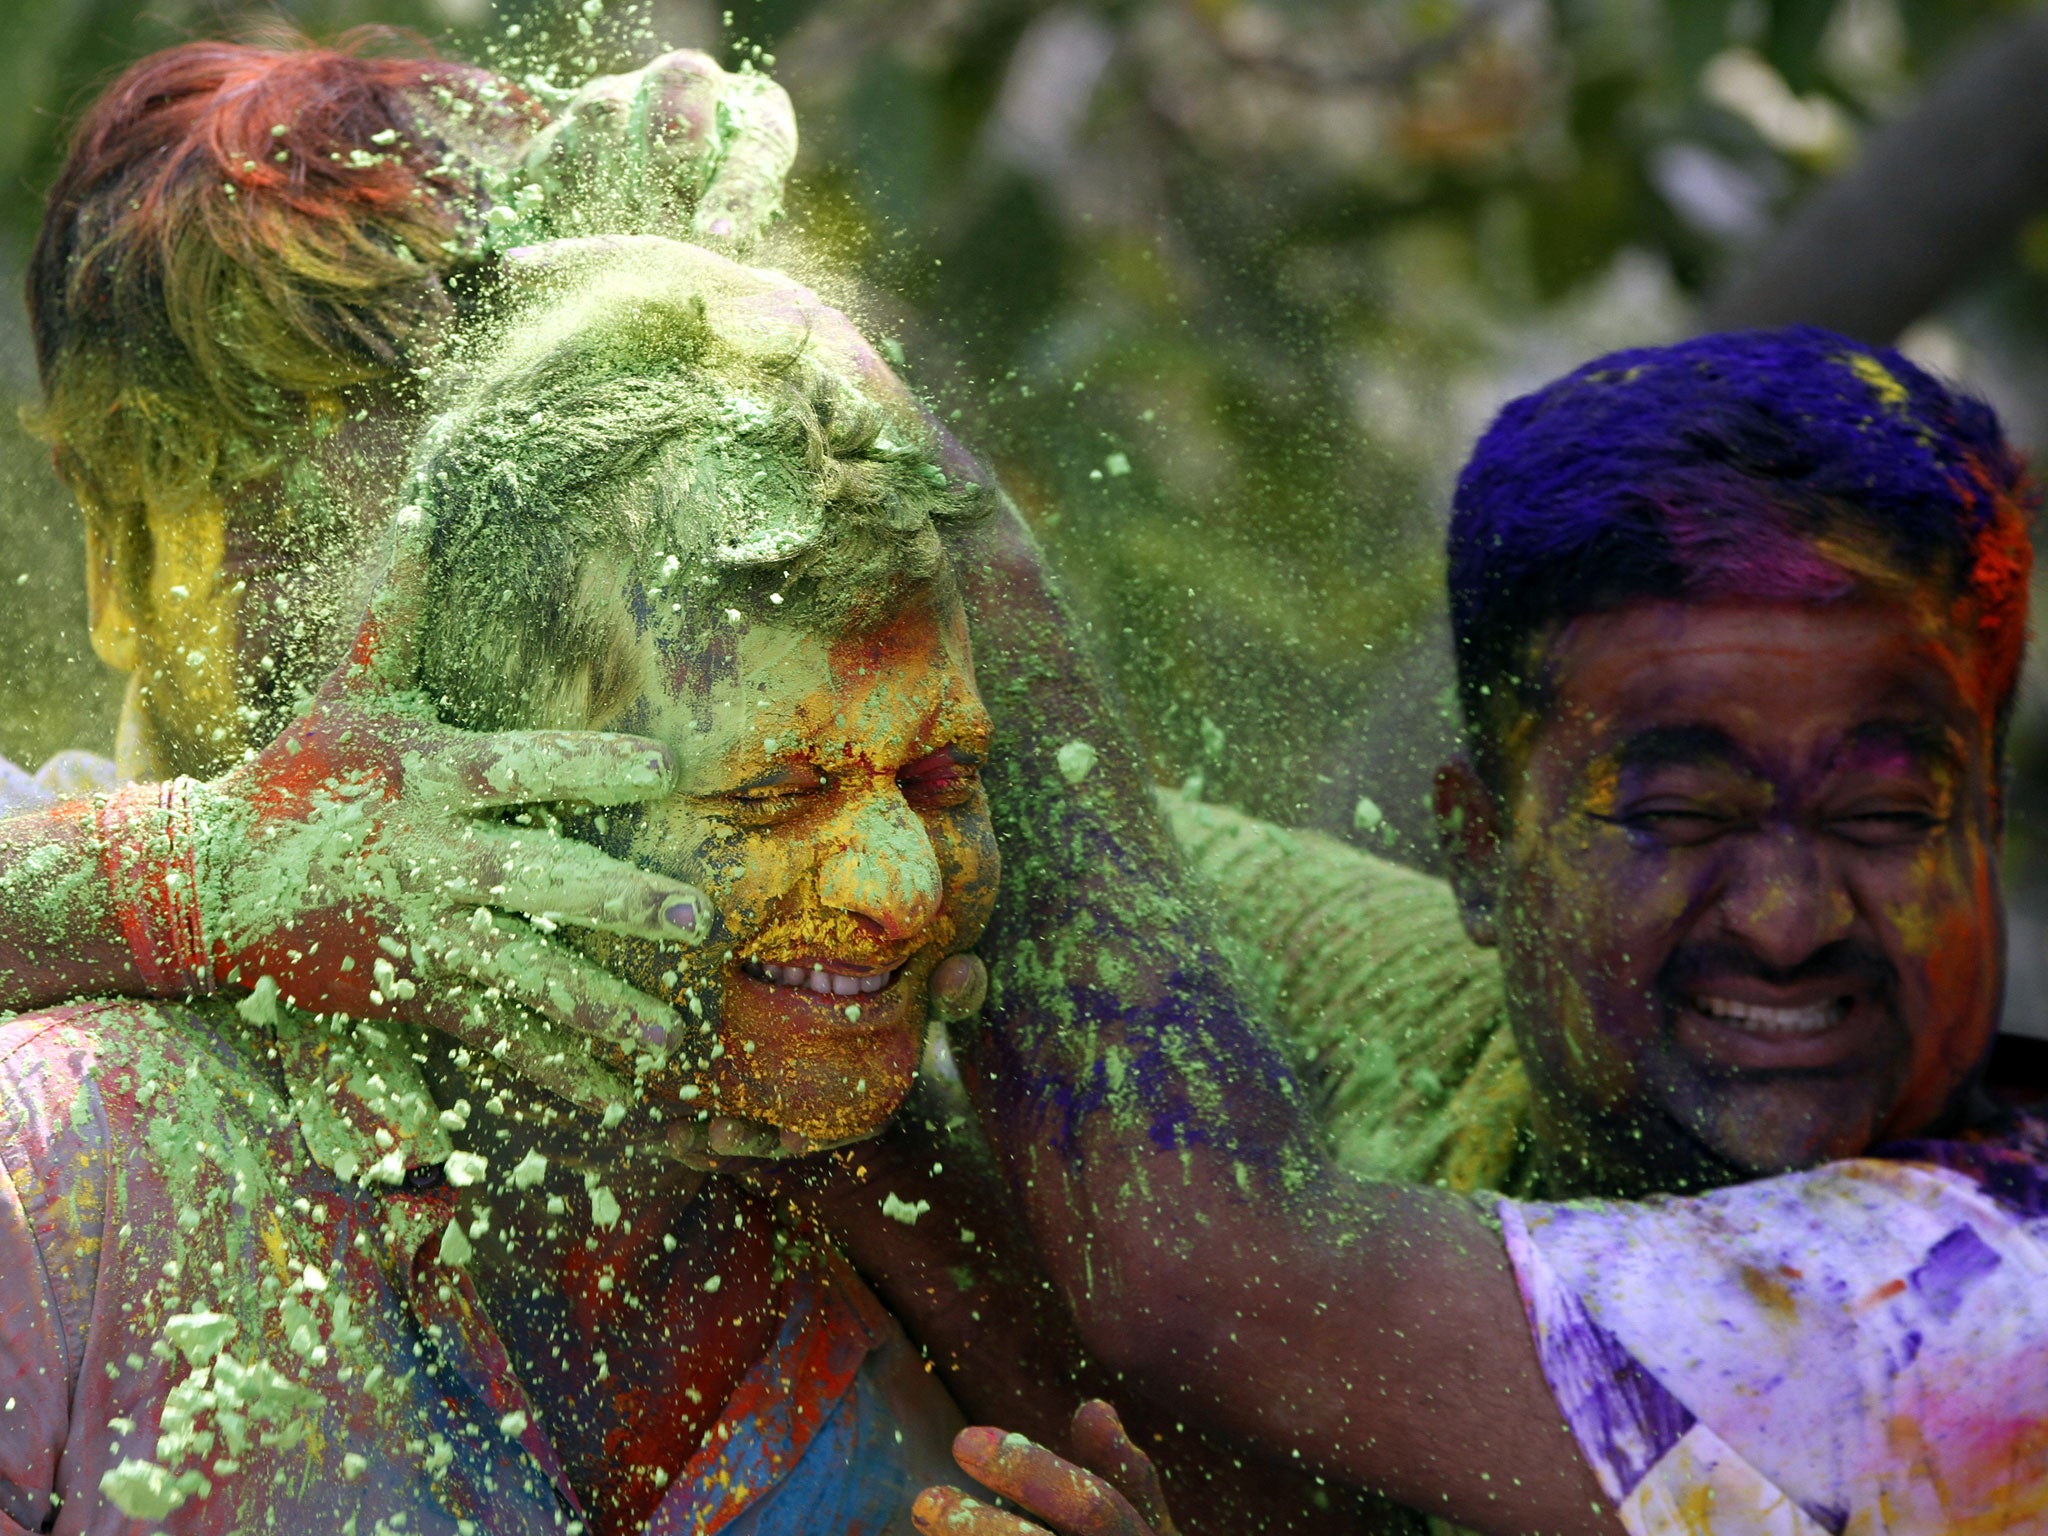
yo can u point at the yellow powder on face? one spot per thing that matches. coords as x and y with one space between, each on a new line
1882 382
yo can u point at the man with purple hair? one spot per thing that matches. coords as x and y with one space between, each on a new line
1738 625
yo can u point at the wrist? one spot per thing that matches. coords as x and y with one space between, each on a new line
148 851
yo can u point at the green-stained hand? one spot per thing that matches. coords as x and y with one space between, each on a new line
1115 1492
679 147
361 861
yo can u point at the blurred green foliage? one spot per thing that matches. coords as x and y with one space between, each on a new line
1223 287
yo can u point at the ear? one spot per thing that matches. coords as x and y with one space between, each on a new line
1469 830
106 600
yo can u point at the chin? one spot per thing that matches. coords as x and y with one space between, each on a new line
808 1063
1785 1124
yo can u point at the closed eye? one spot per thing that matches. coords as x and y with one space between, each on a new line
785 789
941 780
1887 828
1680 826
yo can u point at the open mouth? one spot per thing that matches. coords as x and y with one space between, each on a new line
1774 1023
825 980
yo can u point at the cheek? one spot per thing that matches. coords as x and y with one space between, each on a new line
748 873
1591 894
1939 910
1590 920
965 843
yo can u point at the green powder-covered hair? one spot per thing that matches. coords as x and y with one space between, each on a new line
663 419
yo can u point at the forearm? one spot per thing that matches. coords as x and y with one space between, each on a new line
1115 1031
1164 1159
970 1289
60 933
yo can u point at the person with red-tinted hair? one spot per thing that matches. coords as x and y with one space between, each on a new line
254 256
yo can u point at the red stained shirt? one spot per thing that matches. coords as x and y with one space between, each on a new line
223 1307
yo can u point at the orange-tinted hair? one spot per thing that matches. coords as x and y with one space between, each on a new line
240 235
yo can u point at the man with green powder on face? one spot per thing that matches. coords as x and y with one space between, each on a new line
252 254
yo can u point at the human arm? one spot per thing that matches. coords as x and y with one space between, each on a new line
1159 1144
348 862
962 1278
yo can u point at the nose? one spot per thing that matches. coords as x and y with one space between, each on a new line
1783 900
887 871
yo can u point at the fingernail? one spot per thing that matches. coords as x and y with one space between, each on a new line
978 1442
681 914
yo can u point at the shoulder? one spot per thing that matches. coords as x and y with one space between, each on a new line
115 1117
69 775
63 1069
2007 1159
1397 1019
59 1176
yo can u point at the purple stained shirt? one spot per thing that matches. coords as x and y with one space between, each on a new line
1858 1350
224 1307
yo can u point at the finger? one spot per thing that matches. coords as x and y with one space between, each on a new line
711 1142
568 990
540 872
944 1511
959 986
526 1044
745 192
1102 1445
474 772
1071 1499
385 656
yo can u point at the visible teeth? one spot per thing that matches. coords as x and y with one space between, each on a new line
819 980
1762 1020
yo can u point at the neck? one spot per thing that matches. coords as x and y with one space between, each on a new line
136 759
1581 1156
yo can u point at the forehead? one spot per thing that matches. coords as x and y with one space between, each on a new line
761 687
1785 684
919 644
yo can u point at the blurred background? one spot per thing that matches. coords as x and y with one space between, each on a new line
1225 288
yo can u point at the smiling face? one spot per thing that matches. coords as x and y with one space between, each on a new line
1746 893
830 806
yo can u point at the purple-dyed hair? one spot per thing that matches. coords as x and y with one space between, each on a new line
1725 466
